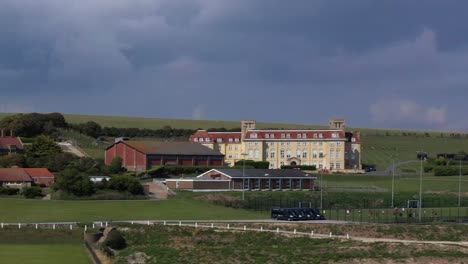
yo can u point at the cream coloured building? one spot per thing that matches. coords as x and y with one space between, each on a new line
333 149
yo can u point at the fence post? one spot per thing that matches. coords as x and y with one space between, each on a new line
277 230
228 226
164 222
212 225
53 226
19 226
106 224
36 226
2 225
245 228
131 223
180 223
85 228
71 227
196 224
312 233
261 229
347 236
147 222
330 234
295 231
93 224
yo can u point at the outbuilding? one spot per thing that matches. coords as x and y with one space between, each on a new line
249 179
143 155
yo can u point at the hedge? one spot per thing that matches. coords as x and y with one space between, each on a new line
300 167
9 191
449 170
254 164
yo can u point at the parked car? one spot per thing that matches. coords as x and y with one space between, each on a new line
283 214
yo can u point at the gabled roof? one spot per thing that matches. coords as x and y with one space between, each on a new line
171 148
39 172
8 142
14 175
260 173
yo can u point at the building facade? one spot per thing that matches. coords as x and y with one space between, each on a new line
10 144
249 179
332 149
142 155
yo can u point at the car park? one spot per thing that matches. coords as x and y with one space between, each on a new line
296 214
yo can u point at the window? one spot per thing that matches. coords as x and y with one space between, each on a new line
288 153
282 153
272 154
237 156
272 144
314 154
219 140
230 147
338 154
304 163
250 153
200 139
236 148
335 135
304 135
320 165
257 154
353 140
253 135
230 156
267 135
282 143
338 143
304 154
283 135
315 135
320 135
304 143
299 136
272 165
314 164
332 154
298 153
321 154
338 165
272 135
266 154
332 166
195 139
236 140
288 135
288 143
250 144
315 143
281 164
320 143
256 143
207 139
332 144
353 156
230 140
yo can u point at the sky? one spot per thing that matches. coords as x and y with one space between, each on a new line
379 64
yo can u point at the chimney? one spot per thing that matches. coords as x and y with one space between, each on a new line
3 133
11 133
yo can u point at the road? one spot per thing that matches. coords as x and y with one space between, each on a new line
388 171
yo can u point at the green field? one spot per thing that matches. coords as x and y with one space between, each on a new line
42 246
178 208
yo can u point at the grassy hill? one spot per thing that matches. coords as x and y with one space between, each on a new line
379 145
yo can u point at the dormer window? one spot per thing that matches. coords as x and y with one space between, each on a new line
200 139
353 140
288 135
195 139
299 136
236 140
207 139
230 139
267 135
219 140
283 136
304 135
320 135
315 135
272 135
253 135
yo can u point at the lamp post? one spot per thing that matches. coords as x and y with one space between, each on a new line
459 183
243 176
420 184
321 191
393 181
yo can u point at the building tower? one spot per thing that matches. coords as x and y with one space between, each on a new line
247 125
337 124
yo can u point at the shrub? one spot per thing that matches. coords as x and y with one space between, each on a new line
449 170
9 191
31 192
300 167
125 183
115 240
116 165
254 164
165 171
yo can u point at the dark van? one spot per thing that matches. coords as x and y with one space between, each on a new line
283 214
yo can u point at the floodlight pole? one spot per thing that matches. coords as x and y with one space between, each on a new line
321 191
243 179
420 186
393 181
459 183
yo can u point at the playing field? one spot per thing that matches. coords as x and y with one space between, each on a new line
179 208
44 254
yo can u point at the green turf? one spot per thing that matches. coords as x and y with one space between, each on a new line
42 246
179 208
44 254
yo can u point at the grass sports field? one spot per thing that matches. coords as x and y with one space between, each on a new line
180 208
31 246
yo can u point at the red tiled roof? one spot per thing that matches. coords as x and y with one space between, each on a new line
6 142
222 137
295 134
38 172
14 175
171 148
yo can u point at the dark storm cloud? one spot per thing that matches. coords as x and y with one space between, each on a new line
306 60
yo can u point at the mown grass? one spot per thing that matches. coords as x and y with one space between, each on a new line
170 244
31 246
178 208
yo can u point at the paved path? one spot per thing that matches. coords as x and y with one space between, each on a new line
389 169
68 147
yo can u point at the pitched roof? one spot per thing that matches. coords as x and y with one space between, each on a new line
7 142
229 137
14 175
262 173
171 148
38 172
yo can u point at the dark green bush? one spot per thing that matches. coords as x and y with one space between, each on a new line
115 240
31 192
449 170
254 164
300 167
125 183
166 171
9 191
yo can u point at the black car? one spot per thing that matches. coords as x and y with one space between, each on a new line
283 214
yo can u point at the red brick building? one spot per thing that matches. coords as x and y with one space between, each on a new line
249 179
21 177
10 144
142 155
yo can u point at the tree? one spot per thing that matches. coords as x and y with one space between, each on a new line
43 146
125 183
12 160
74 182
116 165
